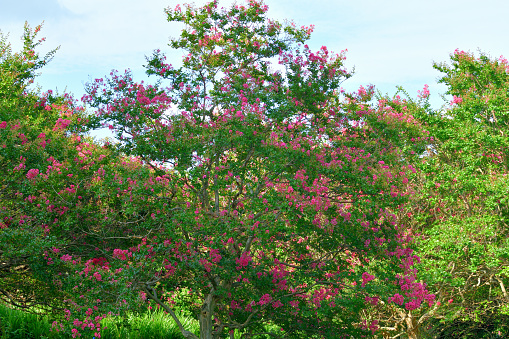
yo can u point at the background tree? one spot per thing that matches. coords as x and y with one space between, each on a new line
392 121
24 117
462 208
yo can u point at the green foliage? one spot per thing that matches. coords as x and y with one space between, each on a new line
462 213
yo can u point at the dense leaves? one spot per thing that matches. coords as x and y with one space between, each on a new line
464 209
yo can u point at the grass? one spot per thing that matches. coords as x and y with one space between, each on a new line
16 324
153 324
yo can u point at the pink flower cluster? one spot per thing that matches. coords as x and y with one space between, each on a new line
456 100
366 277
61 124
425 92
122 254
32 174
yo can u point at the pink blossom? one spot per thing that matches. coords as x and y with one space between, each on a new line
170 269
3 124
67 314
294 303
277 304
456 100
206 264
243 260
458 52
397 299
98 276
265 299
121 254
34 172
215 256
346 216
412 305
425 92
75 333
374 326
61 124
102 261
143 296
66 257
372 300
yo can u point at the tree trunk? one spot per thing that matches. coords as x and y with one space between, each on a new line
206 325
412 327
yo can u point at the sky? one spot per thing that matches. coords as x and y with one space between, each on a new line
390 43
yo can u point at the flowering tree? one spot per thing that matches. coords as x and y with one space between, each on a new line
24 134
396 122
259 197
462 210
40 150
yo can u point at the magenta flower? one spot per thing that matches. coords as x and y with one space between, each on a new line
61 124
277 304
397 299
265 299
412 305
3 124
243 260
366 277
425 92
100 262
120 254
32 173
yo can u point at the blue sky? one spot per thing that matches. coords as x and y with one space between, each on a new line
390 43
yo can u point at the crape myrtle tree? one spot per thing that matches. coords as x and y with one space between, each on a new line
459 211
44 162
462 211
402 112
276 202
29 125
259 197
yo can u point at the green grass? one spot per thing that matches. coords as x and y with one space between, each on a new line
154 324
16 324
